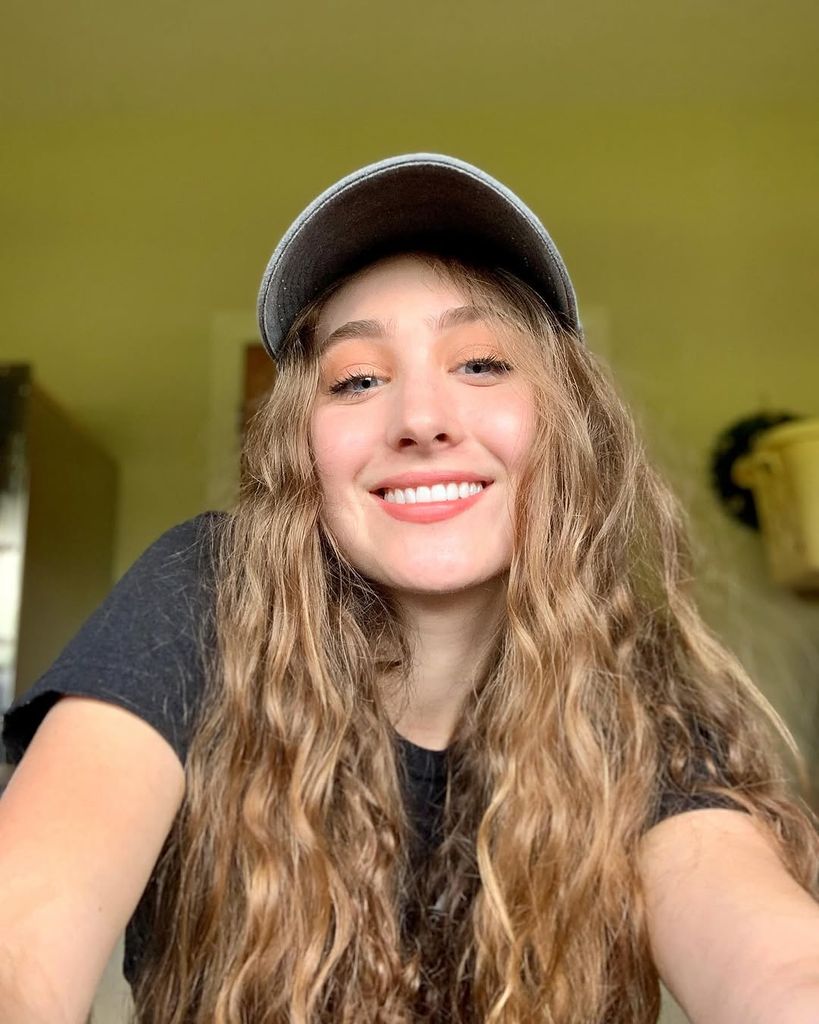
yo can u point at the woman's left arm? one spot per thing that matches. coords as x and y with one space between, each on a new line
734 937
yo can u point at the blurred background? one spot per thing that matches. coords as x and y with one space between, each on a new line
154 154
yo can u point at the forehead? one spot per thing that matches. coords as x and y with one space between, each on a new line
397 286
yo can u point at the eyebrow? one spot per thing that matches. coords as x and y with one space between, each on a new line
379 329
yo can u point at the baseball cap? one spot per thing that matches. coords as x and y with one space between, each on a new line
426 201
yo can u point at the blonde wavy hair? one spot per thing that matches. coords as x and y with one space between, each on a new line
285 893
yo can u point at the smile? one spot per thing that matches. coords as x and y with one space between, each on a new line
434 492
432 503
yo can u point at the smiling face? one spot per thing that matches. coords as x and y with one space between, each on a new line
427 403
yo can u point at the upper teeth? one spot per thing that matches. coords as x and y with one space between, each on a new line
438 492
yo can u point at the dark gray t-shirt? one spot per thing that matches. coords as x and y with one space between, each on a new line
141 649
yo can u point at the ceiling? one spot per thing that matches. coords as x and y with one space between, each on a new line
93 57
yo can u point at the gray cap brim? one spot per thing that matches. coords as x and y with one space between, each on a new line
422 201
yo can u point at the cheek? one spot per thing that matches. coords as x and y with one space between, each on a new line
324 451
511 430
338 450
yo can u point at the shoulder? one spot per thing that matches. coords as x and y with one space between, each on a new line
143 646
185 543
175 571
163 594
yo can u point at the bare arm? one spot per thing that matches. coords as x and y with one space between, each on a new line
734 937
82 822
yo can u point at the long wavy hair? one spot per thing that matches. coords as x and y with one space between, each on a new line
286 893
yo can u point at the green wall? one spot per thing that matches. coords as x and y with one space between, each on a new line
692 235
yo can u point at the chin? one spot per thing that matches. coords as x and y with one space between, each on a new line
436 582
426 571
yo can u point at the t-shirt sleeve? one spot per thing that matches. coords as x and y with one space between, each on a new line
142 647
673 802
677 799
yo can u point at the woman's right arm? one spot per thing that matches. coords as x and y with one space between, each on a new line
82 822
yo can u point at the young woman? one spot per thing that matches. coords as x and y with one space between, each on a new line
428 726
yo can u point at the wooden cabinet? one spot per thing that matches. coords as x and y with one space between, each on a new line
58 502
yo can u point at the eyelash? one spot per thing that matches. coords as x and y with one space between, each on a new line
341 387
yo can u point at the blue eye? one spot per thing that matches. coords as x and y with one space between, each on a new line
495 365
344 386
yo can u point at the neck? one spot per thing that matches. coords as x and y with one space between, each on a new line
451 636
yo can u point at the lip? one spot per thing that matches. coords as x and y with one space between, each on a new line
430 511
422 478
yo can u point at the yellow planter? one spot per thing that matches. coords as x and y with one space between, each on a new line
782 471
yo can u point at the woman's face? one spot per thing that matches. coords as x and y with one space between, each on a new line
427 404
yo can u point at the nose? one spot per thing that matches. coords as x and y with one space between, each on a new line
423 413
